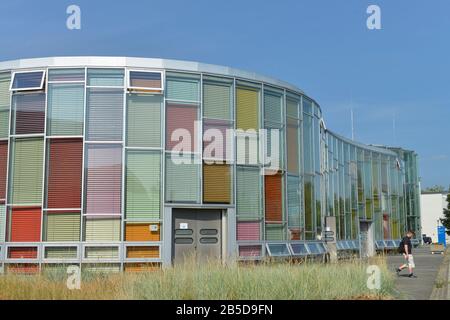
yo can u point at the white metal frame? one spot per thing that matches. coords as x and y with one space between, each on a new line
27 88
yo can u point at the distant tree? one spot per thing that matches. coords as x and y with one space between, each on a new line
435 188
446 220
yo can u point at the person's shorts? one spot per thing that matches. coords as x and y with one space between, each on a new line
411 261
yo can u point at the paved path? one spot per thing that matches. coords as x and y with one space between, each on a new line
427 267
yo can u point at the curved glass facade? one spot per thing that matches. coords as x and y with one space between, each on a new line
97 154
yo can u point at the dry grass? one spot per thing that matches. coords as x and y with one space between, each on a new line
343 280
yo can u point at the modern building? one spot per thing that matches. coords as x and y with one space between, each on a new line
90 169
432 206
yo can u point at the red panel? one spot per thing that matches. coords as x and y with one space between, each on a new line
181 117
273 200
3 166
26 225
64 176
22 253
248 230
23 268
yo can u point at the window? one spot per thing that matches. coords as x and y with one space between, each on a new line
62 227
183 87
217 95
143 184
33 80
66 75
105 77
216 183
28 113
182 179
248 184
144 80
299 249
65 109
144 120
97 229
4 104
278 249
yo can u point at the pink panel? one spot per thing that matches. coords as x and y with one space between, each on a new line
181 117
248 230
250 251
104 179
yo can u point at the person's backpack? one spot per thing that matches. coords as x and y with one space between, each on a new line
401 247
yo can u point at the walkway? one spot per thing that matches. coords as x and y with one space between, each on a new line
427 268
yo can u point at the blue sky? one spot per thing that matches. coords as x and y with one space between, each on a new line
322 46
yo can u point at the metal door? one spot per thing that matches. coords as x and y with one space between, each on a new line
196 234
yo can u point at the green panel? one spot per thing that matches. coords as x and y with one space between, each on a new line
144 120
272 107
4 104
275 232
217 101
27 162
2 222
105 77
143 185
65 109
248 201
102 230
183 88
182 180
292 108
62 227
102 252
61 253
293 193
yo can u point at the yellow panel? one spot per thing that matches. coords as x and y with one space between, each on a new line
247 108
142 267
216 183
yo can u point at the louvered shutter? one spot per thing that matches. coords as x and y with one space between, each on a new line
64 173
293 193
102 230
143 185
216 142
102 252
217 101
4 104
29 113
61 75
104 179
216 183
247 114
293 145
2 222
105 77
144 120
181 117
248 192
273 197
61 253
248 230
65 109
3 169
62 227
25 225
27 163
141 232
182 181
292 108
275 232
182 88
272 107
105 114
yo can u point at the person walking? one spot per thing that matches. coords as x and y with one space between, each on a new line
406 249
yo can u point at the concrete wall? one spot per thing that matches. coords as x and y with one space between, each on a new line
432 205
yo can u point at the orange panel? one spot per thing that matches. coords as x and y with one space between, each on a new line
141 232
26 225
273 200
143 252
142 267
